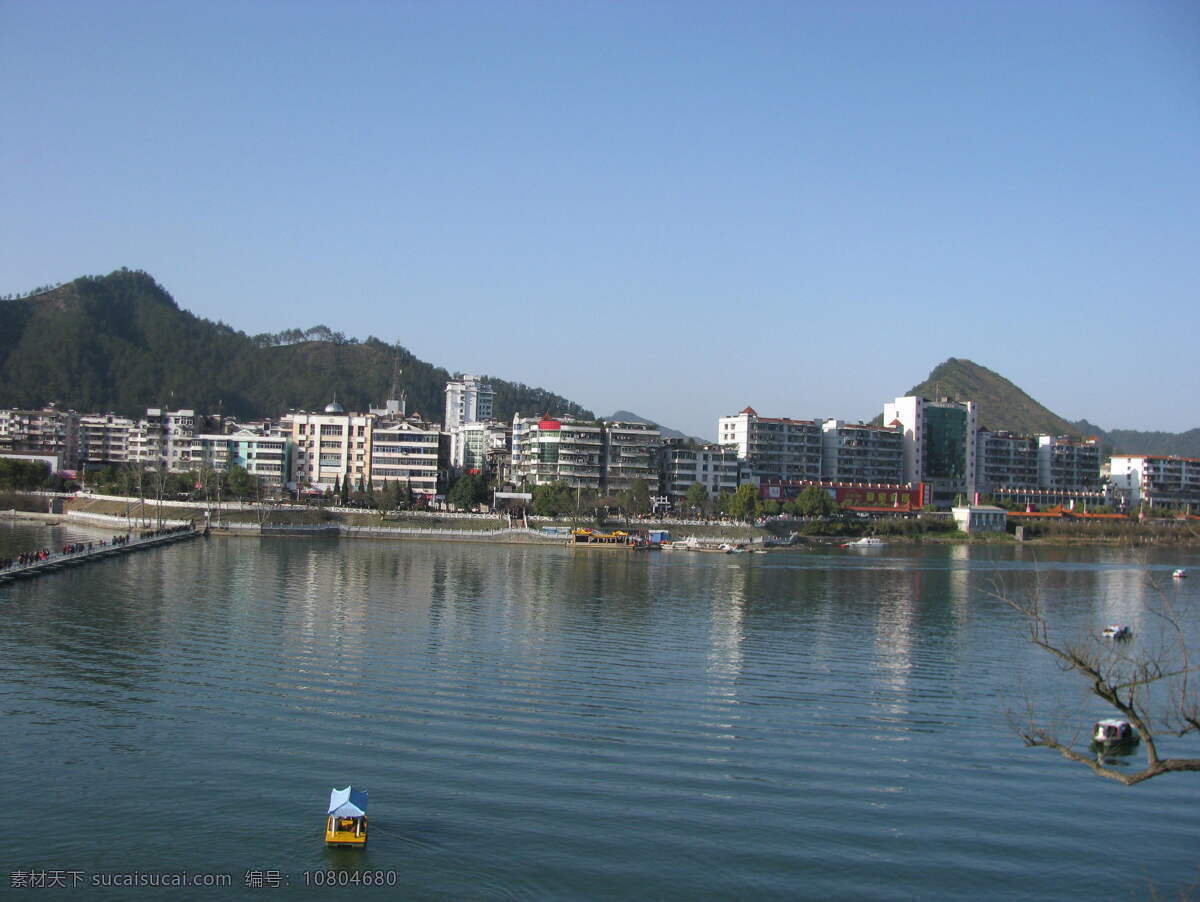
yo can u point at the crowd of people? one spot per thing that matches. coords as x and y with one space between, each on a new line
44 554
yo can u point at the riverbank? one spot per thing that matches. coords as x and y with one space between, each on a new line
247 519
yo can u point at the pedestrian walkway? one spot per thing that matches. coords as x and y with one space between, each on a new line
35 563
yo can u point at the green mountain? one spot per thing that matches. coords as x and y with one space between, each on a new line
120 343
1003 406
1133 441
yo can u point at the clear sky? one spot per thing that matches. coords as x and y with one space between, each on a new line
676 208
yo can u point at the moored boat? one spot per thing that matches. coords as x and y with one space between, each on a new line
1117 631
346 822
1179 574
1114 732
866 542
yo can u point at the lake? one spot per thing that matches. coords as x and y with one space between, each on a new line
537 723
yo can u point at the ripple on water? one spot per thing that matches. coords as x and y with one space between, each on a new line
533 724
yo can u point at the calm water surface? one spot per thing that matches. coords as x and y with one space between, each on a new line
534 723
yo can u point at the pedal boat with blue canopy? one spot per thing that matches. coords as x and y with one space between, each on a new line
346 824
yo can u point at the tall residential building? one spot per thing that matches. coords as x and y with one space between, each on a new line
471 443
468 400
629 455
1005 461
939 444
163 437
104 439
1065 463
712 466
410 451
1157 480
557 450
772 448
329 446
48 431
857 452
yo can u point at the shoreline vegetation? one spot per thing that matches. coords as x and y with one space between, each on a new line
274 519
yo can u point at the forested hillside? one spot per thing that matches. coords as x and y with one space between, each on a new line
120 343
1004 406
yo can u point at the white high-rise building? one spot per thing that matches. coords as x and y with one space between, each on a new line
772 448
468 400
939 444
327 447
1158 480
408 451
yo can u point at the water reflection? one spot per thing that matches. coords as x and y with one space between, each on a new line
726 615
634 724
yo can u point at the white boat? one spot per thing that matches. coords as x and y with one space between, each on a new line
866 542
1114 731
1116 631
1180 573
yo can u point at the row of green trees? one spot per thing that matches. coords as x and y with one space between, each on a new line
27 475
560 500
745 504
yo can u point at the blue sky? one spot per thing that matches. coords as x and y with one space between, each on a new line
673 208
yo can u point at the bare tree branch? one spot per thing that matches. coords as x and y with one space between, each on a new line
1150 684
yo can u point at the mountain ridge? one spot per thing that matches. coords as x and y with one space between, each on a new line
1003 406
120 343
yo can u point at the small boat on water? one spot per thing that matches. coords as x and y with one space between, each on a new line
1180 573
866 542
346 823
1117 631
1113 733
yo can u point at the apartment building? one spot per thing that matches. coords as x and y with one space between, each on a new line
772 448
103 439
630 454
939 444
264 451
548 450
408 450
712 466
468 400
163 438
858 452
329 446
1156 480
472 443
1065 463
1006 461
49 431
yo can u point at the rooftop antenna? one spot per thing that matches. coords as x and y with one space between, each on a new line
397 393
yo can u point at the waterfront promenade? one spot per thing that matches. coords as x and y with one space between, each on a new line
45 560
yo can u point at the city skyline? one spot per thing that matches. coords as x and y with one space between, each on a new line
674 210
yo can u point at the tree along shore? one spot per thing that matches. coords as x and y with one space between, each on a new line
819 531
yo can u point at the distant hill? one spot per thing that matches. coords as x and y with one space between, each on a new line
1004 406
1132 441
628 416
120 343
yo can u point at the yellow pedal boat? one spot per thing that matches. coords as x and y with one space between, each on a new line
346 823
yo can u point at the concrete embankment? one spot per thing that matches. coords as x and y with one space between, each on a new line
514 535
